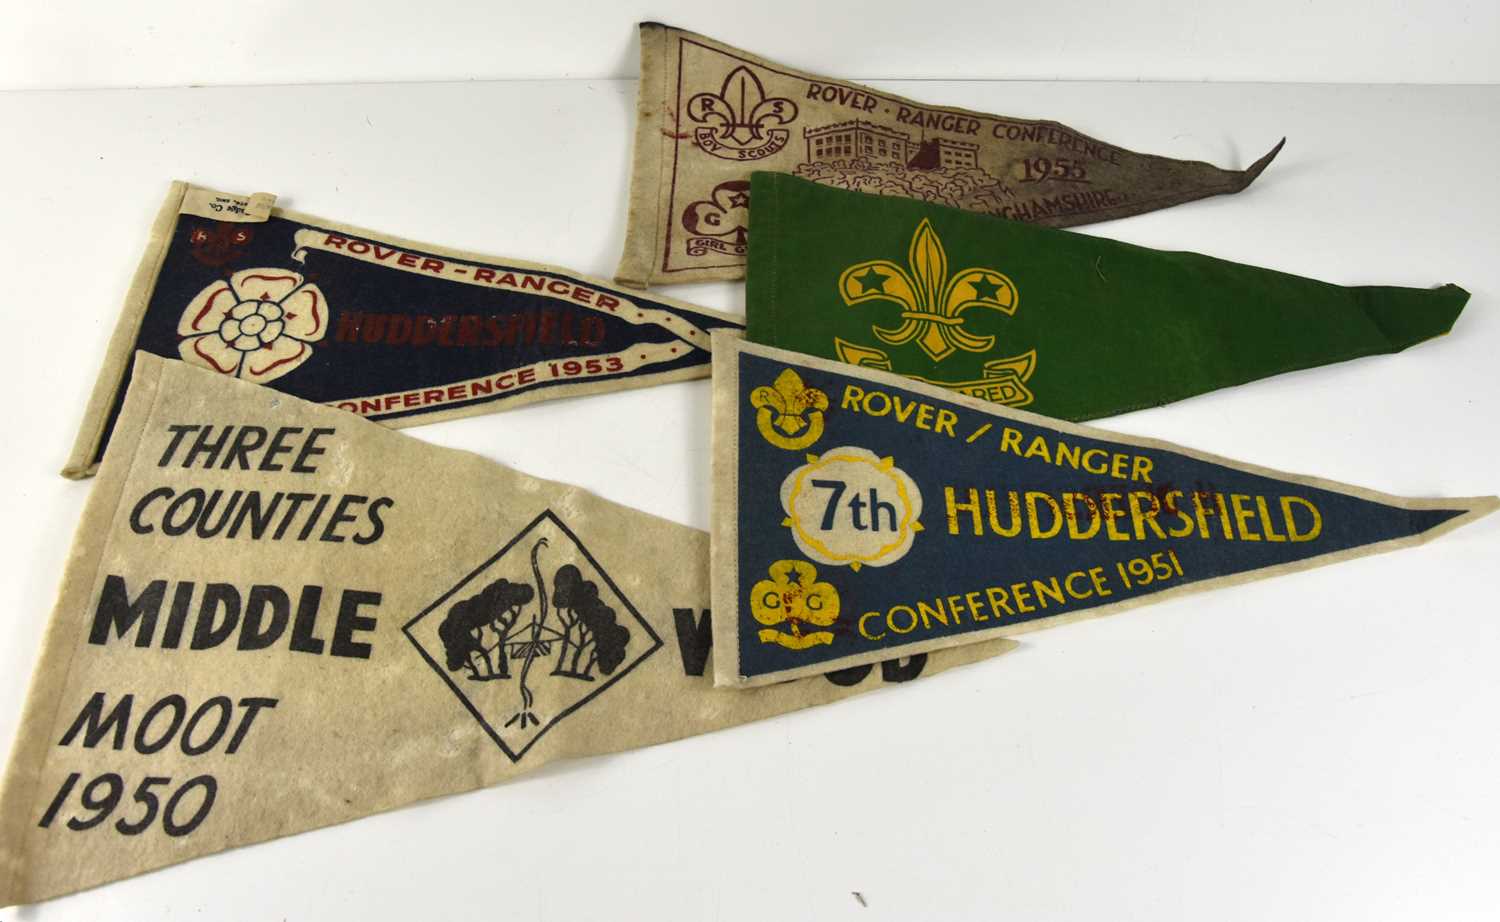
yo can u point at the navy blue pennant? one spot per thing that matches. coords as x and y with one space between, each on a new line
861 516
395 331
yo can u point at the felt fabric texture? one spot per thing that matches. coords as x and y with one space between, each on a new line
393 330
859 514
298 617
1063 324
709 113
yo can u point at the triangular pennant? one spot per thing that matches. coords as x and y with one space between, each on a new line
858 515
278 616
1064 324
709 113
396 331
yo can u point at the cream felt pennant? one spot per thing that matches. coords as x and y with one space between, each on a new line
278 616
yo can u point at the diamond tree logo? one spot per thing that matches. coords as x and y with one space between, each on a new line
534 634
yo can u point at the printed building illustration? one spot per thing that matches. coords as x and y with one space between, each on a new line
844 140
858 138
941 152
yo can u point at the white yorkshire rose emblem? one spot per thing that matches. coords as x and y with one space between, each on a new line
257 326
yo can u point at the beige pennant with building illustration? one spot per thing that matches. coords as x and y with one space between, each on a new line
709 114
278 616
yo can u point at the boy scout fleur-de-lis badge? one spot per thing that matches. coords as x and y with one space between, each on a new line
933 304
740 117
789 414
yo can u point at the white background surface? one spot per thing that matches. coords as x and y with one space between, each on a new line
1321 745
68 43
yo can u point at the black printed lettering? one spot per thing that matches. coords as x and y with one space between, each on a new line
694 639
117 611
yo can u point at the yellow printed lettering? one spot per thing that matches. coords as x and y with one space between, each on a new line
1141 519
1175 507
1077 593
1057 517
945 421
1241 515
1202 513
1291 523
1110 514
1097 575
1050 588
954 508
1000 603
1265 520
927 612
1224 517
1072 516
1022 597
1010 440
1067 454
890 619
1015 514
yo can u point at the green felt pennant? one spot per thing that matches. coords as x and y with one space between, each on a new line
1063 324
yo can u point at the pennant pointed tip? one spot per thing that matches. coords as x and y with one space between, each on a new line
1454 512
1484 505
1259 166
1459 294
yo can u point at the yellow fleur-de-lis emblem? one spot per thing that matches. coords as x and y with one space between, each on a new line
933 304
789 414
